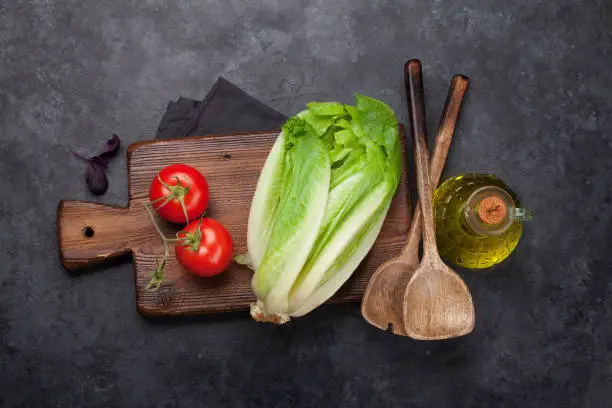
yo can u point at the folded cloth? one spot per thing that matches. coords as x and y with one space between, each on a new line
225 109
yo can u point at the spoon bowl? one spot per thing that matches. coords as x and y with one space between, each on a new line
381 305
436 306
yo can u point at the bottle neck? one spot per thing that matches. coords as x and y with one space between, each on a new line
489 211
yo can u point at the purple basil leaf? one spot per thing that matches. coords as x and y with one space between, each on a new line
111 147
97 182
99 161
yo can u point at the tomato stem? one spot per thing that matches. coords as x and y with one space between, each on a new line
192 239
177 191
157 276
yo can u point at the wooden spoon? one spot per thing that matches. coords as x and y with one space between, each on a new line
437 303
382 304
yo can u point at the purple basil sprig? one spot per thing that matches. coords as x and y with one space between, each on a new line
111 147
95 176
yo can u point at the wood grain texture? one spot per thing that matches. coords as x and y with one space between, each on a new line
231 165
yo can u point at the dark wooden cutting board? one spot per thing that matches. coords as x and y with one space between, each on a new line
91 233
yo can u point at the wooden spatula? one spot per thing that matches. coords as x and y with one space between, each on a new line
437 303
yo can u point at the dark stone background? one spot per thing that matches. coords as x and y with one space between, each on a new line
538 114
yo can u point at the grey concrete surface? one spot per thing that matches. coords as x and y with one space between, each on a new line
538 114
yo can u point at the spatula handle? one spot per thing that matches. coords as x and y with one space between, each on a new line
89 233
446 129
416 105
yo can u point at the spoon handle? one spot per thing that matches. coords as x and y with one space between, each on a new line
416 105
446 129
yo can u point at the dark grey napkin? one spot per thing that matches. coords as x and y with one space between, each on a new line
226 109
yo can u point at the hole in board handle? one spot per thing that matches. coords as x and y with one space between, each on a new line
88 232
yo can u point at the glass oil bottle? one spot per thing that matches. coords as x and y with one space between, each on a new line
478 220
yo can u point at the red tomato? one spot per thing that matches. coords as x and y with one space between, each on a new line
179 185
206 249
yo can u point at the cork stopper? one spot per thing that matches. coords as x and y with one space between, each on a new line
492 210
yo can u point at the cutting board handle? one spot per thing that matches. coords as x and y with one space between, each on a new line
89 233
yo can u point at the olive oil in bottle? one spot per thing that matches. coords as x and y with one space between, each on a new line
478 220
